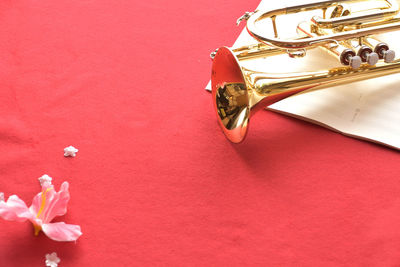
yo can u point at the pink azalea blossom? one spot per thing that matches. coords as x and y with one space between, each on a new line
46 205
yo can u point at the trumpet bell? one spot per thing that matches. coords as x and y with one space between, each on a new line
230 95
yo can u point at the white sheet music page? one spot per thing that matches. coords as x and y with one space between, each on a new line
368 110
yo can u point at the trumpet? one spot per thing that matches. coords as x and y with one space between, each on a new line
343 30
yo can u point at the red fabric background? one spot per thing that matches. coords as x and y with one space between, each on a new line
155 182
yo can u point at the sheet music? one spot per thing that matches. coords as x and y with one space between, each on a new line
368 110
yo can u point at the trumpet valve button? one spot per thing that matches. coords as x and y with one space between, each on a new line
389 56
355 62
381 48
372 58
346 55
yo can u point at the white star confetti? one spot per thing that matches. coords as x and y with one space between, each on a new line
1 196
70 151
52 260
44 179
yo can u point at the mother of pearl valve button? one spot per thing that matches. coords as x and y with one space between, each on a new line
389 56
372 58
355 62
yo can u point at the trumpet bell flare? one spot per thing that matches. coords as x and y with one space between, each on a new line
230 96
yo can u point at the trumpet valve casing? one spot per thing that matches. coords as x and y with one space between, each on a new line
368 55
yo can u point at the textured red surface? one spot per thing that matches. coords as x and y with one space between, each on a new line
155 183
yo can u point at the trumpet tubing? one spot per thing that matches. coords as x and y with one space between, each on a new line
344 32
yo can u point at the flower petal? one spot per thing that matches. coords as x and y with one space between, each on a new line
61 231
57 205
15 209
50 203
37 201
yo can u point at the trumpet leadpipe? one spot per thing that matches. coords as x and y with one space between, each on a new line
253 51
257 51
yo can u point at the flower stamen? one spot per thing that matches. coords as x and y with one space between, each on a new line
43 201
37 229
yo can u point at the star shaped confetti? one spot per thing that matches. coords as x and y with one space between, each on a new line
44 179
52 260
70 151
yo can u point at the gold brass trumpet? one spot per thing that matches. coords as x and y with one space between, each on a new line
347 34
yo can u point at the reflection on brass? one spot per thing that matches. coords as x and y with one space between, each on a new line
239 92
231 101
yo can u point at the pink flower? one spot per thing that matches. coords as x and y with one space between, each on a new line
45 206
